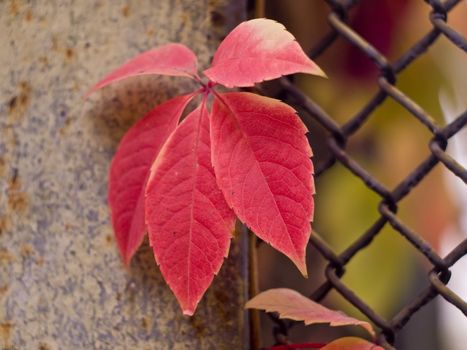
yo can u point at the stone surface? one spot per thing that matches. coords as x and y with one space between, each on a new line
62 283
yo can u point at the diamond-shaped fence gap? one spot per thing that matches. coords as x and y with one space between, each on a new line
429 210
380 274
353 207
423 88
411 23
390 139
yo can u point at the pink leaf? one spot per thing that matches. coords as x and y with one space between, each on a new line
257 50
261 159
189 223
169 59
130 169
351 343
291 304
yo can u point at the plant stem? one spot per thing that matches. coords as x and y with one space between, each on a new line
255 330
260 9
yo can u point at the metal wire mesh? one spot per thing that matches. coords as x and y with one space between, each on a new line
337 138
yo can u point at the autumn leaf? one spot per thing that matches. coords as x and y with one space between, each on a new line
189 222
258 50
262 162
129 171
291 304
351 343
169 59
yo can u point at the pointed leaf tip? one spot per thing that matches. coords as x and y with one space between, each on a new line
130 168
261 157
188 312
257 50
170 59
301 265
189 222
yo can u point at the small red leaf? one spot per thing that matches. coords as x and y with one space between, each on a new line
291 304
189 223
351 343
261 159
257 50
130 168
169 59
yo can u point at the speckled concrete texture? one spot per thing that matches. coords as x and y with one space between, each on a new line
62 284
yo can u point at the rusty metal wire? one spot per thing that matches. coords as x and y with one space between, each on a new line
338 135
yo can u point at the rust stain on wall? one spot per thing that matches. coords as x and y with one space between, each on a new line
17 105
145 323
26 250
5 256
5 224
3 290
5 334
126 11
69 53
28 16
17 200
43 346
66 126
109 239
2 166
14 10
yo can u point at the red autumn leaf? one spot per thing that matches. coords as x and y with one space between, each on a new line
162 178
351 343
169 59
130 168
291 304
261 159
257 50
189 223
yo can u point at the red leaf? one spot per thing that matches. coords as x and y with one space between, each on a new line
261 159
351 343
291 304
257 50
189 223
169 59
130 168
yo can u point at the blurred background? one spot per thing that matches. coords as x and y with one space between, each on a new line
389 273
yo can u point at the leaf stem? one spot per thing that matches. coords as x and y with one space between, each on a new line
260 9
255 329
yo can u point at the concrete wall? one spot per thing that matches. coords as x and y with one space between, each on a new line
62 284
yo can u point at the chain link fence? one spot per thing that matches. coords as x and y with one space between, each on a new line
337 138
